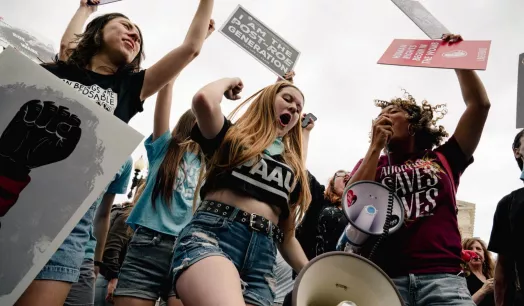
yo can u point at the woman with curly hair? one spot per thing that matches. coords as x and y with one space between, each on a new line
424 256
480 272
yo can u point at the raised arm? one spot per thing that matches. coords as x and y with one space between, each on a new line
163 110
382 131
206 104
163 71
305 137
471 124
74 28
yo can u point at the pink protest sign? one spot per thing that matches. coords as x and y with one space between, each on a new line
471 55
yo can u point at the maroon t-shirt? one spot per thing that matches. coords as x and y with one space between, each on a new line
430 241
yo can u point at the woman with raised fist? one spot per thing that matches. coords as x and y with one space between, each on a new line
104 64
424 256
255 188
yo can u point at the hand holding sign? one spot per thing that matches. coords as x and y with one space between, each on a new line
452 38
90 5
234 89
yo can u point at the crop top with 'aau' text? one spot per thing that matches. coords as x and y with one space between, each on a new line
269 180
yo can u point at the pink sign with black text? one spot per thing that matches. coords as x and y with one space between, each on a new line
470 55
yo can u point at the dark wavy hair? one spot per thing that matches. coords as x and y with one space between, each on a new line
421 118
516 145
90 43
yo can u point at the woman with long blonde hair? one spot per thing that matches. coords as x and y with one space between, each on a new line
255 188
480 271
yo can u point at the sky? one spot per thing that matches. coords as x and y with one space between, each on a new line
340 44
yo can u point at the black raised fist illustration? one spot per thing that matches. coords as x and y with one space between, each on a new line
41 133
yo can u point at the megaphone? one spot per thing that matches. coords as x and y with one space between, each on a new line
372 209
344 279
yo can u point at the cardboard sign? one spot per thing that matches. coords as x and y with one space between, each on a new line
260 41
422 18
520 93
58 152
27 43
471 55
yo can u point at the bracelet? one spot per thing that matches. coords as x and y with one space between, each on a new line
98 263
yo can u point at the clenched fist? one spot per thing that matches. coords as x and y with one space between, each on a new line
41 133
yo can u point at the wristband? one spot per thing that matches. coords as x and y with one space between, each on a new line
98 263
9 191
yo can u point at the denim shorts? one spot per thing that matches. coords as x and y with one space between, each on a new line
64 265
101 291
82 292
253 253
146 271
434 290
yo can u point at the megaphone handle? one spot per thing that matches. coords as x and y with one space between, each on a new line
389 213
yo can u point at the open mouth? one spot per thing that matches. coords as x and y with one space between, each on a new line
285 119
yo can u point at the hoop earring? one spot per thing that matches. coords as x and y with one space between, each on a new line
410 130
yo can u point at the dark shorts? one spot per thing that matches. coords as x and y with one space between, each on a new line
253 253
82 292
146 272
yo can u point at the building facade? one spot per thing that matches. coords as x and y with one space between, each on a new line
466 218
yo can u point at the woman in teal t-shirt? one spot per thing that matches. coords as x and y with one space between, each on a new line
164 208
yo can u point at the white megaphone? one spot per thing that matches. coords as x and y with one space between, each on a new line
344 279
368 207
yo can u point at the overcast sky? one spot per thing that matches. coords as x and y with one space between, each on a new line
340 42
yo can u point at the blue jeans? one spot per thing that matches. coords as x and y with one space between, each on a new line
434 290
253 253
146 271
65 263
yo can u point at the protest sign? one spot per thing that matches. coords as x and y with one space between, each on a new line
25 42
58 152
520 93
422 18
260 41
471 55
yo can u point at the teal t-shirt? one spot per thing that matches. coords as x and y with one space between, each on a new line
118 186
165 219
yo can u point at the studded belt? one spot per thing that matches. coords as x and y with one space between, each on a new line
253 221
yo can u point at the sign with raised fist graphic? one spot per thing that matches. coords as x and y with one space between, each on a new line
41 133
58 152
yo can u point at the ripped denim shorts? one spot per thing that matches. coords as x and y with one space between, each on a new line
252 252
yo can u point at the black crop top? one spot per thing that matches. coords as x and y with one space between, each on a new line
270 180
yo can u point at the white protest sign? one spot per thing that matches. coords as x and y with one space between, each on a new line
58 152
260 41
422 18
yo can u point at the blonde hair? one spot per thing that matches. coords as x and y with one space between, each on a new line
252 133
488 267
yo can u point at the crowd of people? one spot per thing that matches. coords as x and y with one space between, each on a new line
229 213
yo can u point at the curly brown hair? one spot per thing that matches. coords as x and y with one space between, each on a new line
423 119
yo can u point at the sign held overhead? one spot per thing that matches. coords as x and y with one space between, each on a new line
422 18
470 55
260 41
